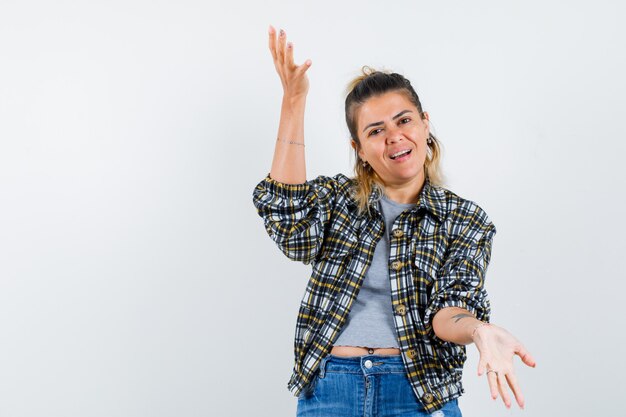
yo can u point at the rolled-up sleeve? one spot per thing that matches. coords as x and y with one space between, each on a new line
295 214
460 281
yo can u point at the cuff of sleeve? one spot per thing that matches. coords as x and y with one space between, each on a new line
481 314
285 190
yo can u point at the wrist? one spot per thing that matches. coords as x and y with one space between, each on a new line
479 330
294 99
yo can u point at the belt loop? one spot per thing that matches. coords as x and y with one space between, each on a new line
323 365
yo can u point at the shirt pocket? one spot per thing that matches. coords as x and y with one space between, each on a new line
333 262
339 243
426 263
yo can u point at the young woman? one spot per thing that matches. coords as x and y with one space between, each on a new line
398 261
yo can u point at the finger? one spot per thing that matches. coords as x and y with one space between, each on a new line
482 367
493 384
525 356
302 68
272 41
502 387
289 59
280 53
512 380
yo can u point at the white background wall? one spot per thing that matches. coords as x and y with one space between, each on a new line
136 278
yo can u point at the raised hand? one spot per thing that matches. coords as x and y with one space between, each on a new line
293 77
497 349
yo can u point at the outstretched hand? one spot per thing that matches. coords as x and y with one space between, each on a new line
293 77
497 348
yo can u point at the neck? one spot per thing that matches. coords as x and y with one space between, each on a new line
405 193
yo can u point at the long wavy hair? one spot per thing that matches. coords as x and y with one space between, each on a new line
372 83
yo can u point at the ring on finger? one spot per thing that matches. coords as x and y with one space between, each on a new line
491 370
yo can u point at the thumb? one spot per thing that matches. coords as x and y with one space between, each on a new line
526 357
305 66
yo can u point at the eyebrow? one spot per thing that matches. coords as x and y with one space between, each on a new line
393 118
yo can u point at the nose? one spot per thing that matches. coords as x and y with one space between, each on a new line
394 134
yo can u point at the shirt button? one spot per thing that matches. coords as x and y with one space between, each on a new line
368 364
397 265
411 353
401 309
428 398
397 233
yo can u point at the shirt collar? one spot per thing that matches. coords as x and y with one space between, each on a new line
431 198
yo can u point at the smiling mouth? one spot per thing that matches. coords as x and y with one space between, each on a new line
400 154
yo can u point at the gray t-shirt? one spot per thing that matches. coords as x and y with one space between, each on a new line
370 322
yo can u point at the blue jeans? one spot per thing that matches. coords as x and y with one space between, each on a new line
370 386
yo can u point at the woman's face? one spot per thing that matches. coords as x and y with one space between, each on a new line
393 138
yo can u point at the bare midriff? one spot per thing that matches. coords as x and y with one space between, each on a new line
360 351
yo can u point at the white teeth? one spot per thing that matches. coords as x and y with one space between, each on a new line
397 154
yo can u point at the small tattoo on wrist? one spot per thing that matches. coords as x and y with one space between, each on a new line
290 142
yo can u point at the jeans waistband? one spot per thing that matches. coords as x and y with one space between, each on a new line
364 365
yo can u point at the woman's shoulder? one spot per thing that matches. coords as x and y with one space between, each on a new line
457 206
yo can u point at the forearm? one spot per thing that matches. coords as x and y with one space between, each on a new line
288 165
456 325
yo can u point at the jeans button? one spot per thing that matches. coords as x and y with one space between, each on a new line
368 364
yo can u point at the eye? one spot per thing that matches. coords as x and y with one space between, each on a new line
405 120
374 132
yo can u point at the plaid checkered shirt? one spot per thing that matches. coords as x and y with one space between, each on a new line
439 253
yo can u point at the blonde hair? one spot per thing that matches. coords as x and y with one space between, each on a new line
373 83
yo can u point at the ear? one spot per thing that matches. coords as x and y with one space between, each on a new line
356 148
426 120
